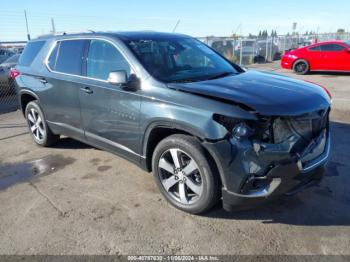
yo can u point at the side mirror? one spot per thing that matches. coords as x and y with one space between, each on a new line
132 83
117 78
348 50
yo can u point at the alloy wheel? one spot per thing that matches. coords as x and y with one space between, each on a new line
180 176
36 124
301 67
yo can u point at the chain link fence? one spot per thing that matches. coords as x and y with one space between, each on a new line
250 50
8 97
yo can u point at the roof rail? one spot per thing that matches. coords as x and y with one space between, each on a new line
66 33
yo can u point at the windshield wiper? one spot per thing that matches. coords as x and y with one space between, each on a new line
221 75
187 80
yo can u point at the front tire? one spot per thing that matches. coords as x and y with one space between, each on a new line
184 174
301 67
38 128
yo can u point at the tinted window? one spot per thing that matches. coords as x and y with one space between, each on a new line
331 47
30 52
315 48
104 58
179 59
70 56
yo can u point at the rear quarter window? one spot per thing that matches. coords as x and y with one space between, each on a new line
30 52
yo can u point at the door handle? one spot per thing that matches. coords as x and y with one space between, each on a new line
42 80
87 90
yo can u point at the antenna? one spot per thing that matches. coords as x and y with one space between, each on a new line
53 26
25 16
177 23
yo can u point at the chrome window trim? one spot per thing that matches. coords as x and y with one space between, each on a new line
53 45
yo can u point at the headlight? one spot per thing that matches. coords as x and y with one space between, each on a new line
236 127
240 130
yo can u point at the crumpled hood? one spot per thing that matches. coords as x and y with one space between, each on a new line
267 93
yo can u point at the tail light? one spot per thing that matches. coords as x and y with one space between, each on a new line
14 73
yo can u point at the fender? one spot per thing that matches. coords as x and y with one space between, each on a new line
167 124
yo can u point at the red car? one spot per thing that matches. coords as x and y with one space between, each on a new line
325 56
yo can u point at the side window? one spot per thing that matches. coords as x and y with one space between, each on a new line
53 57
69 56
30 52
315 48
104 58
331 47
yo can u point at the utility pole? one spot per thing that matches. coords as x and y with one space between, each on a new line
53 26
177 23
25 16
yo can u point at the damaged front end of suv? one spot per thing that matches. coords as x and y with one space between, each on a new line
282 150
272 156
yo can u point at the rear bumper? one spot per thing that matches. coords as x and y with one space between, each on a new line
251 178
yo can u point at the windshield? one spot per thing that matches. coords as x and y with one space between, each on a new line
179 59
347 42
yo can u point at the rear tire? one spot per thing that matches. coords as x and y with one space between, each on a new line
38 128
189 182
301 67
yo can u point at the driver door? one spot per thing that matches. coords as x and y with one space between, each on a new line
110 114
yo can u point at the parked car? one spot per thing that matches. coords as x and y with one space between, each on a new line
5 54
7 86
325 56
273 51
205 127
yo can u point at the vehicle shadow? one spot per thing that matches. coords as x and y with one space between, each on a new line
327 204
330 74
70 143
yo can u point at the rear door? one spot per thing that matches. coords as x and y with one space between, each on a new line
110 114
332 56
64 80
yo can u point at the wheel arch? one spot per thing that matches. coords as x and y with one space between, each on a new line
26 96
159 130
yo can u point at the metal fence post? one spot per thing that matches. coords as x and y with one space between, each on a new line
267 48
241 53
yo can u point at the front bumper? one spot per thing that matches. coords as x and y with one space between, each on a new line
287 63
252 176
